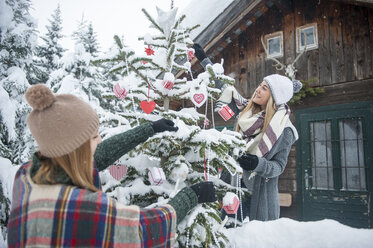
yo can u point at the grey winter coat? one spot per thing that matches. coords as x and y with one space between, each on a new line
264 199
264 203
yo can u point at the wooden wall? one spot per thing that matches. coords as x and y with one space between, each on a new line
345 38
342 64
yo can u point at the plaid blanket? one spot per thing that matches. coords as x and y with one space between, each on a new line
66 216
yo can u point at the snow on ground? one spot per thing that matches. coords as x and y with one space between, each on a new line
288 233
281 233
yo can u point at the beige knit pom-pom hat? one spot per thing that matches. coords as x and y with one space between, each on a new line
59 123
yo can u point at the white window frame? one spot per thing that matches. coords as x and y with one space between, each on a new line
299 30
272 36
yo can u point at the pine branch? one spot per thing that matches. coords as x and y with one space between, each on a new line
152 21
169 57
118 41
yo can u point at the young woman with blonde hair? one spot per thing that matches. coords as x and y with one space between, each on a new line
265 125
57 200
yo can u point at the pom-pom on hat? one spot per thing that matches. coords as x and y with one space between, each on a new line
282 88
59 123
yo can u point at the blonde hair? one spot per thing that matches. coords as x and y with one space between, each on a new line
77 164
255 108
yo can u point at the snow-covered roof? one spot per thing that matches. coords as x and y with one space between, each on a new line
203 12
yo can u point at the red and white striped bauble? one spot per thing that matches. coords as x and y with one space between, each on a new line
118 171
119 91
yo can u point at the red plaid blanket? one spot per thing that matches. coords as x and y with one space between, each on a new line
67 216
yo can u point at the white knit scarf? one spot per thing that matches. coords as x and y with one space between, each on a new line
250 126
251 129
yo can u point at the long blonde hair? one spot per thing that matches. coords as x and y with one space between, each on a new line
255 108
78 165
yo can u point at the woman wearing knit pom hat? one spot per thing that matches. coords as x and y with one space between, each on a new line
264 123
57 199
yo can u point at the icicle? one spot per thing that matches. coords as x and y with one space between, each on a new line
237 189
204 122
187 239
133 100
223 224
212 113
208 162
240 196
215 239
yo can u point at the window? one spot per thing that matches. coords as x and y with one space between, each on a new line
321 154
307 33
352 154
275 45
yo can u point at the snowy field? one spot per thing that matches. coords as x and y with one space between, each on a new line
287 233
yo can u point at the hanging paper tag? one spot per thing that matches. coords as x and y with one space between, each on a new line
156 176
198 93
119 91
118 171
148 107
226 112
231 203
199 99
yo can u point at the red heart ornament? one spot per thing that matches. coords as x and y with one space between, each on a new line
118 171
232 207
147 107
198 98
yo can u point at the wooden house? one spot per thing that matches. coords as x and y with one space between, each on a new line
330 168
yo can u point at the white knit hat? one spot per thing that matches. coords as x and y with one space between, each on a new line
282 88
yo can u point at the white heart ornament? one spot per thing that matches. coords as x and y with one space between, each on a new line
198 95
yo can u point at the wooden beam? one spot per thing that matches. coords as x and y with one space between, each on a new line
364 3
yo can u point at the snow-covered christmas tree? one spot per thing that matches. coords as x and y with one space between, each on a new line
148 87
17 43
50 51
80 77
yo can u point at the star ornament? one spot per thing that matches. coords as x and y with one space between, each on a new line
149 51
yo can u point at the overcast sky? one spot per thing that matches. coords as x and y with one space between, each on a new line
108 17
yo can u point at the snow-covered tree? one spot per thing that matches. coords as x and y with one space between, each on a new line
84 34
188 156
17 43
50 51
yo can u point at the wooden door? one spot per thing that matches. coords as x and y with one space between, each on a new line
334 163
